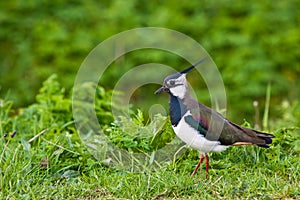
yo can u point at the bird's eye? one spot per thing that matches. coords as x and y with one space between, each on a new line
172 82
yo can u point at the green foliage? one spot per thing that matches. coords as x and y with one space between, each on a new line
137 136
252 44
5 109
290 121
52 110
94 97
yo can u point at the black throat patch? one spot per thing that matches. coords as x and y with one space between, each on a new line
177 109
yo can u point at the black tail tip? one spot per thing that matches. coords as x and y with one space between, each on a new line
268 140
265 136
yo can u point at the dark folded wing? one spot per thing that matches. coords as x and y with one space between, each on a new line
213 126
196 124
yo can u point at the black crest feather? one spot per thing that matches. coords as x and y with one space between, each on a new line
193 66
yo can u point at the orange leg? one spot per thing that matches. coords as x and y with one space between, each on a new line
198 165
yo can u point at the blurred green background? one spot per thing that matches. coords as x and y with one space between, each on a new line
253 43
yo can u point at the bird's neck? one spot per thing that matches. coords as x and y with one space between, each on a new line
177 109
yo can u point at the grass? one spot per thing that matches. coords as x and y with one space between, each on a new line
46 159
24 177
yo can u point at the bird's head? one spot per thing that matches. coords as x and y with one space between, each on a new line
176 84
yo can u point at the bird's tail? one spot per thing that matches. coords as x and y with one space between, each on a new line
266 137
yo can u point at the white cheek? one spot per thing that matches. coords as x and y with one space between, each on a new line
178 91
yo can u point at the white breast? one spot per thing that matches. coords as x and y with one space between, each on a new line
194 139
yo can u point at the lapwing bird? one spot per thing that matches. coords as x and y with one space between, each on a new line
202 128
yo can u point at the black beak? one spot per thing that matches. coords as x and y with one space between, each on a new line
162 89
